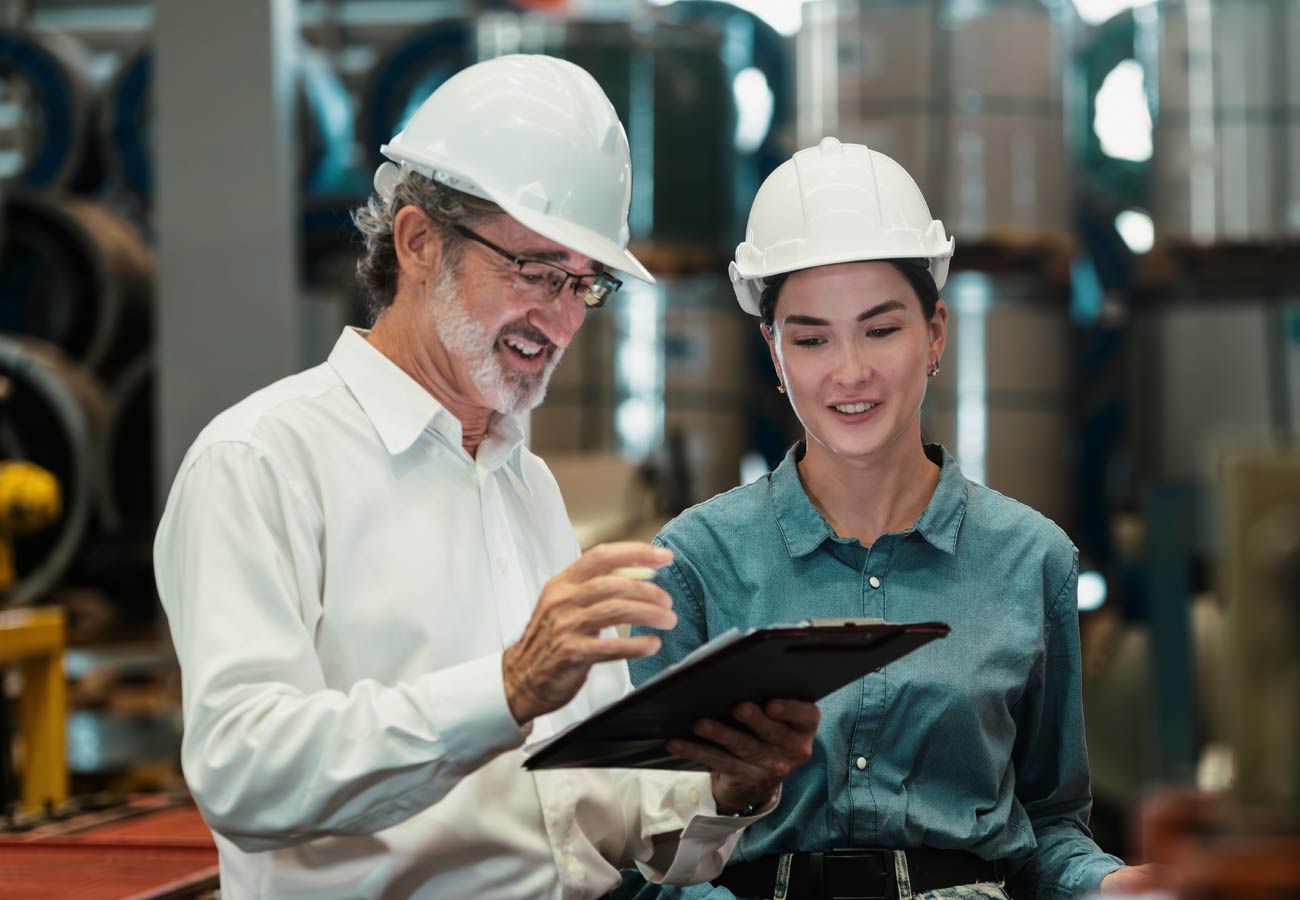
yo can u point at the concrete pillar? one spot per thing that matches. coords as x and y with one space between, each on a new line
226 209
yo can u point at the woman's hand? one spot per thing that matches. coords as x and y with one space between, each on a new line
749 765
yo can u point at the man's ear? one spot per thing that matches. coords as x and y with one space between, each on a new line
418 244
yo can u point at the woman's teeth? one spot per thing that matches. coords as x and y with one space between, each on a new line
851 408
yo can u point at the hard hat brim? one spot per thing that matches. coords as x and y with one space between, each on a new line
831 259
578 239
562 231
747 285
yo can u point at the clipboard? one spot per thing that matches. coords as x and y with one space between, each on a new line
804 661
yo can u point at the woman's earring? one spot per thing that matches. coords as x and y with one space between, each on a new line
780 388
933 370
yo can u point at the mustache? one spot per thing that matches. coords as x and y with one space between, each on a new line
528 333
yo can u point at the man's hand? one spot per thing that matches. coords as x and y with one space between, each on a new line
545 668
1133 880
753 763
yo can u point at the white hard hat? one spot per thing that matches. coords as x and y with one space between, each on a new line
536 136
835 203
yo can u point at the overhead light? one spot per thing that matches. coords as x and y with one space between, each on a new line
1123 120
1092 591
1094 12
1137 230
754 104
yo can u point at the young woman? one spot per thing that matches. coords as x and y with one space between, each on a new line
959 770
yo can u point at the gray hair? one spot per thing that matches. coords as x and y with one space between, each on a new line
377 268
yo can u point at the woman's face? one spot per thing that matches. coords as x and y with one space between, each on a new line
852 346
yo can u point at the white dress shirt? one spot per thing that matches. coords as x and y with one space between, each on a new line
340 578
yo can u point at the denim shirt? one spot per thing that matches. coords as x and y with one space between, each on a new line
974 742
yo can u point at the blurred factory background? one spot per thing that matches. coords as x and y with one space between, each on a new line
1122 178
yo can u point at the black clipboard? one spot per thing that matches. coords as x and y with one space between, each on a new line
797 662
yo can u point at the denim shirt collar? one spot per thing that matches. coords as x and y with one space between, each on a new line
804 528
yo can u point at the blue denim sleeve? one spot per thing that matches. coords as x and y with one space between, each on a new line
691 631
1051 762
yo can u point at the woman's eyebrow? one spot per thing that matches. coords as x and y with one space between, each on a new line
887 306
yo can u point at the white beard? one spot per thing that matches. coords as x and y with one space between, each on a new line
506 391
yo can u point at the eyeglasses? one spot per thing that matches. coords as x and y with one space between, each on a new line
550 279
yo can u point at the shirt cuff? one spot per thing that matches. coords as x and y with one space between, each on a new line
708 840
467 704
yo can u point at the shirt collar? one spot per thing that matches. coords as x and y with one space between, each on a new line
802 524
804 528
400 409
942 519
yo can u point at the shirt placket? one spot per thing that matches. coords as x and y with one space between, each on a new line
509 586
514 608
865 815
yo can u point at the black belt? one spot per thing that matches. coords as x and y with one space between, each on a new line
857 874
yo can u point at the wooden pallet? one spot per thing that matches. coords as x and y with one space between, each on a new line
680 259
1251 260
1044 255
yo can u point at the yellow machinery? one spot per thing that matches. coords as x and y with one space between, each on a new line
30 501
33 639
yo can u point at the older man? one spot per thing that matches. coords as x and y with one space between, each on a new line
372 586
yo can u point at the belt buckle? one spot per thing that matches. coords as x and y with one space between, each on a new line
877 886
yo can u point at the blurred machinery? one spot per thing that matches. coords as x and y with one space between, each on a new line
53 415
1261 584
33 640
1242 844
29 502
1226 161
1199 689
47 86
968 95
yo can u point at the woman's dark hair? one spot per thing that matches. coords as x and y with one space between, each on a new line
916 271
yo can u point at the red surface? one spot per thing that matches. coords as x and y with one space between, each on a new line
181 827
144 856
63 870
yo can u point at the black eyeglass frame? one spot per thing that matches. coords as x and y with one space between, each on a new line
603 284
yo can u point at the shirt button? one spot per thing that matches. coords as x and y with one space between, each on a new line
501 565
694 795
873 581
862 762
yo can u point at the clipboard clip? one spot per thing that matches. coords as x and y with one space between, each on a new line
830 623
